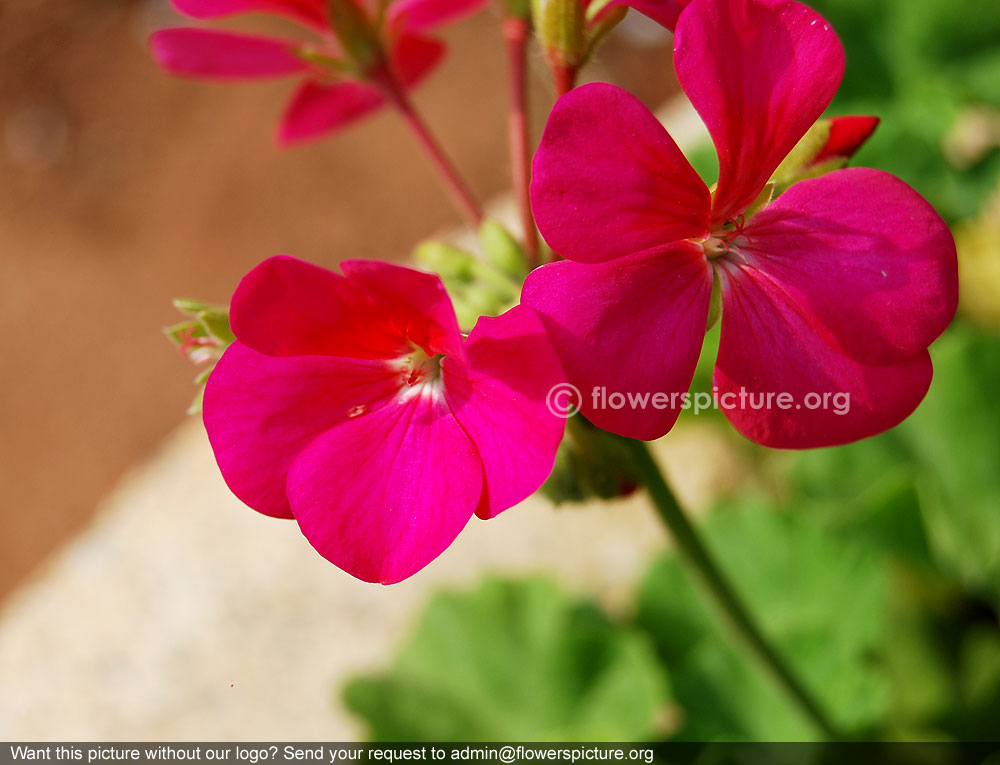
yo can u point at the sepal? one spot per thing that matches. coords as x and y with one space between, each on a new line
591 464
357 35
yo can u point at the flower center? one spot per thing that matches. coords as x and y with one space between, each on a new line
724 242
420 368
715 247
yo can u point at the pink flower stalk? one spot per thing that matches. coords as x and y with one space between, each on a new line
352 404
837 286
336 89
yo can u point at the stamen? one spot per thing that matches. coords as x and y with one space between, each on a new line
421 373
715 247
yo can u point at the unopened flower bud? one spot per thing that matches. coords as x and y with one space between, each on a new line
561 29
827 146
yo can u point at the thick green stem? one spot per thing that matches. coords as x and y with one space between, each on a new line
720 592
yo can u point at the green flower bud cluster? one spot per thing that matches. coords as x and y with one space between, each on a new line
591 464
202 338
479 286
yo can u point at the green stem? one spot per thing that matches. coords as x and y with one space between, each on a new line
717 588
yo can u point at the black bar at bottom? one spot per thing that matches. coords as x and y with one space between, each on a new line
564 753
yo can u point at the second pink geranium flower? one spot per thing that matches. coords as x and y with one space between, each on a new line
838 286
353 404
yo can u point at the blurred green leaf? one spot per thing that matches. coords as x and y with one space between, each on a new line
980 668
954 440
821 600
918 64
929 490
514 660
927 495
865 490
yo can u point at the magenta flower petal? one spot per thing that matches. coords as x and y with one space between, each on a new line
609 181
219 55
759 74
287 307
383 495
415 57
500 402
772 344
317 109
632 326
260 412
865 255
412 301
310 12
421 15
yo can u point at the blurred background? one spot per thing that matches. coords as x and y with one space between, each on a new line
124 188
141 601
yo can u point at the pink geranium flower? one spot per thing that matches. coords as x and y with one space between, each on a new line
354 405
837 286
333 92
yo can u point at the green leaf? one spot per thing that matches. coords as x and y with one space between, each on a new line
866 490
979 678
514 660
928 491
955 442
821 600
